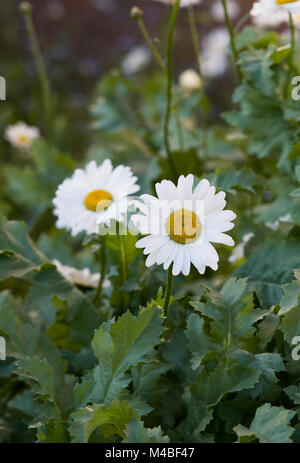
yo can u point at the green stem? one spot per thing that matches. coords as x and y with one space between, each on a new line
123 264
98 293
292 29
179 130
150 44
232 39
242 21
195 39
169 84
290 59
168 293
40 66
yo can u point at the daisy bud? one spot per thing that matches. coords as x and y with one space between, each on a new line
136 13
25 7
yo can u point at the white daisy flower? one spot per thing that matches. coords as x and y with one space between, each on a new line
190 81
94 195
271 19
181 223
183 3
21 135
217 10
271 6
80 277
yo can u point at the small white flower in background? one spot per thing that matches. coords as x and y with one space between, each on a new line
183 3
80 277
94 195
217 10
21 135
271 19
271 6
136 60
238 252
190 81
181 223
214 58
284 218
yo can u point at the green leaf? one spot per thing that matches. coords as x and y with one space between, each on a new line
198 342
135 432
233 181
270 425
233 315
111 420
269 267
118 346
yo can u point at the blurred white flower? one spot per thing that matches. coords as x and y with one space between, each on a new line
181 223
93 196
21 135
284 218
214 58
238 252
80 277
271 19
183 3
190 80
271 6
217 10
136 60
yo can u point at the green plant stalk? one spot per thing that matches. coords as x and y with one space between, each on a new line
123 265
44 82
179 130
291 57
169 83
232 39
150 44
292 29
195 38
168 292
102 258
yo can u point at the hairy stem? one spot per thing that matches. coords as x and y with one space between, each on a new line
102 258
44 82
232 39
150 44
168 293
169 84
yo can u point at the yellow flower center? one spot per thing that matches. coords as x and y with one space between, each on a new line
183 226
23 139
98 200
282 2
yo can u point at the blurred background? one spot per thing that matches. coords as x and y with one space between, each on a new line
83 39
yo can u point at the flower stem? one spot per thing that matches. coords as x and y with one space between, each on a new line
292 30
168 293
169 73
98 293
232 39
150 44
194 34
123 265
195 39
27 12
290 59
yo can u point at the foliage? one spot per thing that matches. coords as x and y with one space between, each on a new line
218 367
